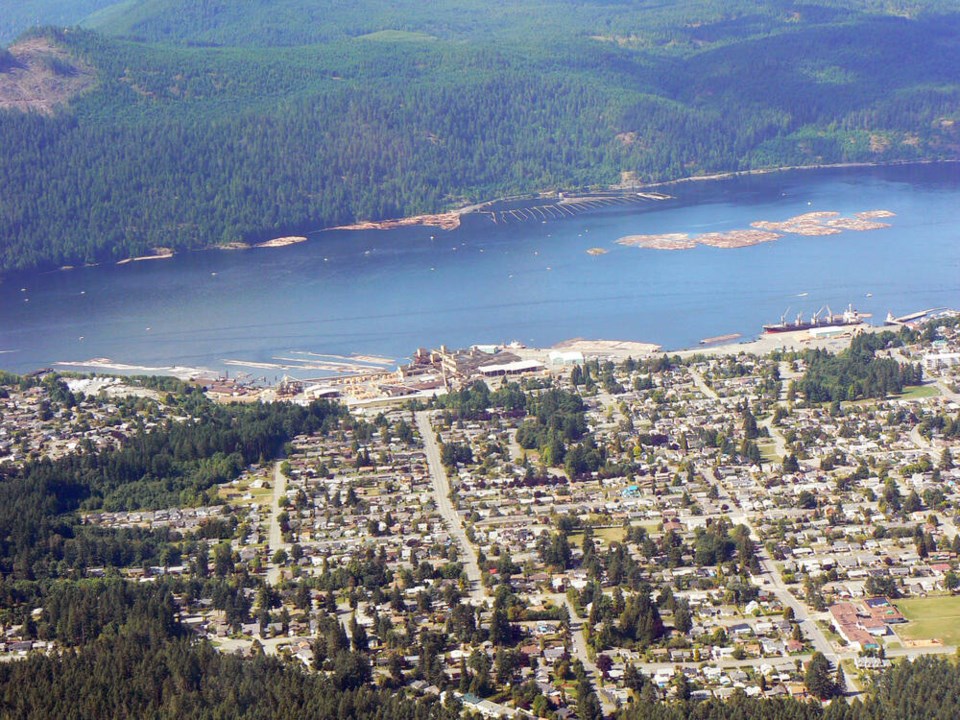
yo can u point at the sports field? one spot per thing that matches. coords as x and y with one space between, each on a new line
931 618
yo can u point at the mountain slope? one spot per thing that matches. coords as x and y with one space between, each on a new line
398 109
39 76
19 15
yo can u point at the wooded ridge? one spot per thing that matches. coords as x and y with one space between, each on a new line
207 127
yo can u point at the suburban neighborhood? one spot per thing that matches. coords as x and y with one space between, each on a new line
561 538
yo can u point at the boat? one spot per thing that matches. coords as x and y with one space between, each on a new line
817 320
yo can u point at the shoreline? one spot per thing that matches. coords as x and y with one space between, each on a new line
451 219
789 168
160 253
273 243
445 221
345 366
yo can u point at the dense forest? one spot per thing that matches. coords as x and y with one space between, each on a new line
928 688
857 373
215 122
146 667
23 14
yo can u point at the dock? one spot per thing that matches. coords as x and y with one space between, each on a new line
912 317
571 206
721 338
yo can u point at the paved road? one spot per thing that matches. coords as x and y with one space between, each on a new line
919 440
702 384
726 664
917 652
441 492
779 441
580 651
807 623
948 526
516 452
946 391
275 536
811 630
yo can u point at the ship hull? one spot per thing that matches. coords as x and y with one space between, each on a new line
807 326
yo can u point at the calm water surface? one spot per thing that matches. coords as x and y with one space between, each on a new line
387 293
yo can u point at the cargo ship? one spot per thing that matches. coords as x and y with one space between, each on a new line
818 320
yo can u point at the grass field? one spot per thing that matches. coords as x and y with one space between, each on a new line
931 618
768 451
914 392
607 535
235 493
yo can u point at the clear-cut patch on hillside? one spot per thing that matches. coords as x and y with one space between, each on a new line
39 76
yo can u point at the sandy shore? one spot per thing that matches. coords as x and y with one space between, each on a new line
451 220
282 242
274 243
444 221
674 241
617 350
101 364
763 344
160 253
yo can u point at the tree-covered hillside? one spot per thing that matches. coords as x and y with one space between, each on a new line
19 15
677 25
219 121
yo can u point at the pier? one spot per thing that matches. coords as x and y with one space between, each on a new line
912 317
571 206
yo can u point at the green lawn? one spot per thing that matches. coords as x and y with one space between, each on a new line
914 392
931 618
767 451
607 535
234 493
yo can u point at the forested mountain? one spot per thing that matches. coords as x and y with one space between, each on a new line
218 121
18 15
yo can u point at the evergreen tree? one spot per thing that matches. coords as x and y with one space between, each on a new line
818 678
